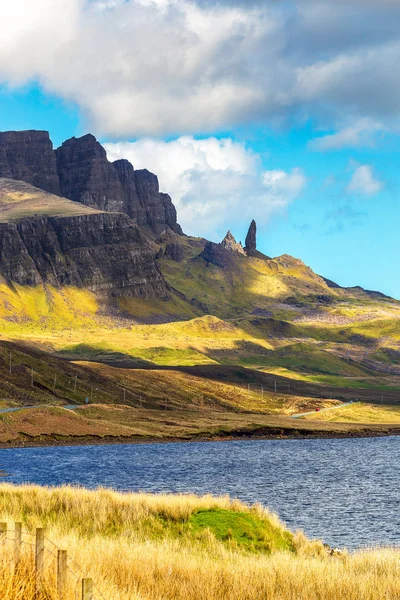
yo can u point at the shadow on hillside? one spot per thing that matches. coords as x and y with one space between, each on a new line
107 356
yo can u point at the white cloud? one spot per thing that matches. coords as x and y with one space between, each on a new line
140 67
215 183
283 187
156 67
364 182
359 134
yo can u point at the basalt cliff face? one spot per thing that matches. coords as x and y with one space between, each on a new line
103 252
80 171
29 156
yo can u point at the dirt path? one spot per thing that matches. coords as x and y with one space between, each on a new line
321 410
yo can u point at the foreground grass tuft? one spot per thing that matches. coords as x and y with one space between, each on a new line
164 547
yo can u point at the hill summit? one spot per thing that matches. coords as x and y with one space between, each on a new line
80 171
70 217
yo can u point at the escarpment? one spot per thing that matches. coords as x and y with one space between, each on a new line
106 253
80 171
29 156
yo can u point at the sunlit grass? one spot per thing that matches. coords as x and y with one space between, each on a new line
143 547
360 413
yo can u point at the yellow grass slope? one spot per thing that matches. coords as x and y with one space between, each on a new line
359 413
248 283
28 311
142 547
19 200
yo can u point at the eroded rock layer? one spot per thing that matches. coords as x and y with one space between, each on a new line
105 253
29 156
79 170
87 176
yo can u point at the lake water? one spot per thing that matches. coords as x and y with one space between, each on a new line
345 491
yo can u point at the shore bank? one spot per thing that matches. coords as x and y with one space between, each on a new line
256 434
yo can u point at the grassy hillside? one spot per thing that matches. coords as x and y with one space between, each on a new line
20 200
253 285
133 404
142 547
360 413
259 324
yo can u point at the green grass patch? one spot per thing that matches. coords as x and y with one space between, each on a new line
161 355
165 356
352 383
242 530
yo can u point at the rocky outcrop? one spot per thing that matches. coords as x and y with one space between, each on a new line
231 245
105 253
251 239
87 176
217 255
222 255
79 170
29 156
173 251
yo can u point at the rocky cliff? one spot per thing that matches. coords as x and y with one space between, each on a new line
222 254
103 252
29 156
79 170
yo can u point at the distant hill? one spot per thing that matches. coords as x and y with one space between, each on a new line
94 266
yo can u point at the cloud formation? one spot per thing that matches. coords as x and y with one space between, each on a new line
213 182
359 134
364 182
158 67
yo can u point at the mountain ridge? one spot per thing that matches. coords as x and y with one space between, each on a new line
115 252
90 281
80 171
59 242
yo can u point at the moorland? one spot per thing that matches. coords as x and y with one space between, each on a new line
115 326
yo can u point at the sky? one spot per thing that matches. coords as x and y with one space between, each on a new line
284 111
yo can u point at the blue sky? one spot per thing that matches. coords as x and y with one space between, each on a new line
285 112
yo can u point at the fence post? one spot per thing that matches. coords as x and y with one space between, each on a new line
87 589
17 540
3 533
62 573
39 554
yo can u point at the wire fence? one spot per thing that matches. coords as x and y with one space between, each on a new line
67 573
75 387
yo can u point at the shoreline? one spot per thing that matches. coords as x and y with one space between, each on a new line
76 441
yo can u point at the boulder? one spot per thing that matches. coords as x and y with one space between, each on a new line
174 251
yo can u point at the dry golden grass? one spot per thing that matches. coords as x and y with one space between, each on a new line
117 540
21 200
360 413
124 424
